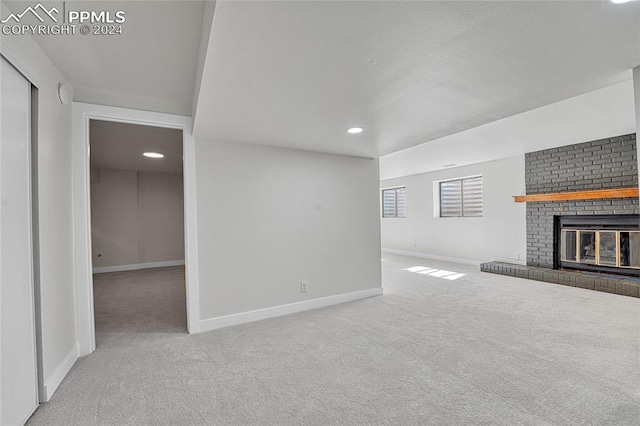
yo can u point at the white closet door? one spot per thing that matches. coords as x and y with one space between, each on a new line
18 392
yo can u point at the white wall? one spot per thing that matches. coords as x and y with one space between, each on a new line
500 234
55 202
136 217
161 216
269 218
114 217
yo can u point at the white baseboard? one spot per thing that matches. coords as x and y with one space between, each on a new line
292 308
433 257
136 266
52 383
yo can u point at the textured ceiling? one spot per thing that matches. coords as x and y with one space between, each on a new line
297 74
596 115
120 146
150 66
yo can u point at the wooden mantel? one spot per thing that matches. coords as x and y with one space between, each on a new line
578 195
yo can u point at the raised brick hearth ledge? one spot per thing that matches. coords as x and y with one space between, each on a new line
625 286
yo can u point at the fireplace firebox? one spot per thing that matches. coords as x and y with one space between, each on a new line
604 243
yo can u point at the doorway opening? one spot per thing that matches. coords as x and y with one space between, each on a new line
83 114
137 228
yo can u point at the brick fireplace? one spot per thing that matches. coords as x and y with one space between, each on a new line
589 190
596 165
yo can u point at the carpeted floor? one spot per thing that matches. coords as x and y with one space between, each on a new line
482 349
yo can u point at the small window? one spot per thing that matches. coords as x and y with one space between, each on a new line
461 197
394 202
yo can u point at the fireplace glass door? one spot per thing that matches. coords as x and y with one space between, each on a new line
630 249
569 241
610 248
587 247
607 248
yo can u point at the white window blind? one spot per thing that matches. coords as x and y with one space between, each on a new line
394 202
461 197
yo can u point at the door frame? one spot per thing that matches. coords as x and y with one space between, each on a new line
82 114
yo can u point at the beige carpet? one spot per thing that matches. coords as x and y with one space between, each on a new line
483 349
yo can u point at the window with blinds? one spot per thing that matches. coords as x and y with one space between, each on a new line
461 197
394 202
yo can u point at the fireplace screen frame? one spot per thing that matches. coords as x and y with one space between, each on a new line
597 247
593 224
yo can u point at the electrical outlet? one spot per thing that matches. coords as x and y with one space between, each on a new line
303 286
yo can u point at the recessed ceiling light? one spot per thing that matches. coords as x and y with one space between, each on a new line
153 155
620 1
355 130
